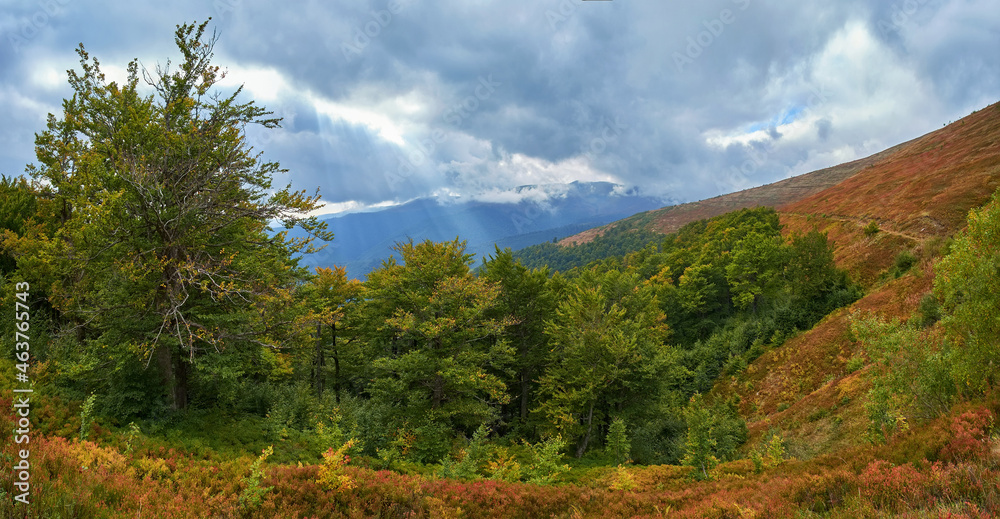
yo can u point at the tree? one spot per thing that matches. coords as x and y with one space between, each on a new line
700 444
328 293
968 283
162 254
757 265
430 335
714 433
696 291
17 206
617 442
811 268
607 349
528 298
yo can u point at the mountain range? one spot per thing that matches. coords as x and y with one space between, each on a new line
534 214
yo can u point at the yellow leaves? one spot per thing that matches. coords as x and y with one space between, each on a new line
621 479
331 475
152 468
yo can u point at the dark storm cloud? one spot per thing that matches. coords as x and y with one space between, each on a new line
392 100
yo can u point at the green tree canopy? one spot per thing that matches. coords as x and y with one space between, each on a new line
161 255
429 329
17 206
607 349
969 284
528 298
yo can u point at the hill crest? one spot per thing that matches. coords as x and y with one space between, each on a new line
843 190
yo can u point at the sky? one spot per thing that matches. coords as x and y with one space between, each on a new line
387 101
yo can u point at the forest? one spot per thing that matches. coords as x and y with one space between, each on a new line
172 329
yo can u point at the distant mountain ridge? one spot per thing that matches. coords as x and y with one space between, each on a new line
363 240
919 190
669 219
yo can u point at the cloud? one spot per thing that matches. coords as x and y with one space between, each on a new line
385 102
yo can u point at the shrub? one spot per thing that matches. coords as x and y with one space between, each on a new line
397 450
253 493
621 479
824 491
871 229
904 261
769 454
504 466
331 475
855 363
970 434
545 458
912 373
618 444
291 410
474 456
891 488
87 416
929 310
969 288
884 417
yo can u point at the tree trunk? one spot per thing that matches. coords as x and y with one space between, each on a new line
180 383
318 361
336 365
165 363
525 389
437 393
174 375
586 437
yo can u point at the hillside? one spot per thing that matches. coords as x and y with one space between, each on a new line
825 347
957 166
811 388
912 196
916 197
669 219
745 366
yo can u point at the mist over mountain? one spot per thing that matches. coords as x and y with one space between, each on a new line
515 218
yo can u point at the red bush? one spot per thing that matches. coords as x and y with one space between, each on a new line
970 436
893 488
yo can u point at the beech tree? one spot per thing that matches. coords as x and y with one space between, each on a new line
968 284
328 293
17 206
607 352
162 256
528 297
758 262
433 341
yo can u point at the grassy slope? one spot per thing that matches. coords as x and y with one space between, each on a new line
670 219
920 196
